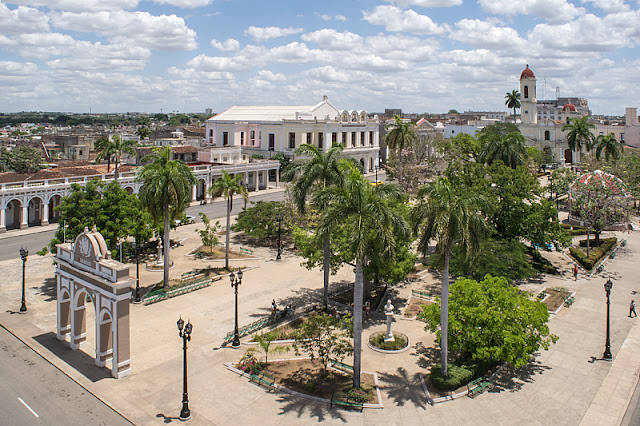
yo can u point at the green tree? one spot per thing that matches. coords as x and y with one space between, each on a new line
400 135
165 192
366 211
610 146
513 101
509 149
25 159
492 321
264 341
462 147
450 218
143 132
122 147
208 235
179 119
325 338
143 121
579 133
105 149
227 186
286 174
261 219
321 171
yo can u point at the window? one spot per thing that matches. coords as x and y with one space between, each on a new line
371 138
320 139
292 140
225 138
272 141
526 92
210 133
547 135
241 138
252 137
334 138
344 139
361 138
621 137
353 138
309 138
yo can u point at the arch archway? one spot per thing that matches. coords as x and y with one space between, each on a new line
568 156
129 189
54 202
34 215
13 214
547 135
200 194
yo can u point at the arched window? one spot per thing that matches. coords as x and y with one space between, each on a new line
547 135
526 92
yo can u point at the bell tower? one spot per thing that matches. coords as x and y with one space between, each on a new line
528 102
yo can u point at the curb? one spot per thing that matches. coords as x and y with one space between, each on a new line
65 373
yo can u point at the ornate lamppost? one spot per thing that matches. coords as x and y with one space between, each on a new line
376 168
185 414
607 347
23 255
137 298
279 218
235 282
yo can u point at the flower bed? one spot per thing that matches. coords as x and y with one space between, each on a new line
595 253
159 293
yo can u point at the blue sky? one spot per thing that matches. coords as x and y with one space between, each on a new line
418 55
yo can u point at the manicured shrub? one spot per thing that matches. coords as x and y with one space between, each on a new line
592 242
457 377
595 253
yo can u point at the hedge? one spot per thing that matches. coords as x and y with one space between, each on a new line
457 377
595 254
575 230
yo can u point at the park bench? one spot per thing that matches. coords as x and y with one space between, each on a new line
477 386
568 301
421 293
345 403
342 365
542 295
246 250
263 379
189 274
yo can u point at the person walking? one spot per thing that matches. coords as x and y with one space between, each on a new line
632 309
274 307
367 308
575 272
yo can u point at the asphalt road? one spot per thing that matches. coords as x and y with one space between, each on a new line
32 391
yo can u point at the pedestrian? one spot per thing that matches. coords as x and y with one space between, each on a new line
632 309
274 308
367 307
575 272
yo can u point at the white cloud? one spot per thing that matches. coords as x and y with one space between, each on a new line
217 64
184 3
22 20
396 19
40 45
609 6
271 76
17 69
164 32
97 57
229 45
555 11
426 3
333 40
268 33
488 35
326 17
79 5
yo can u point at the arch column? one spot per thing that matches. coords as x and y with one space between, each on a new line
64 305
78 321
25 215
45 213
3 218
255 181
194 192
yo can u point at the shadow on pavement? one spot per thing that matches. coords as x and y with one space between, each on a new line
167 419
77 359
48 289
428 356
513 380
402 388
303 406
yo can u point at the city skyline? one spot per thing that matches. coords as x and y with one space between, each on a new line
418 55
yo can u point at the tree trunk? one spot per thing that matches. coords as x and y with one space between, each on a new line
444 313
587 242
366 284
357 325
226 256
326 270
115 172
167 246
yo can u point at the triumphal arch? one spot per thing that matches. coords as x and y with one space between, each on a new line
86 273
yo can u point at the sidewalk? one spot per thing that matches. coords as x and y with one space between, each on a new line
562 386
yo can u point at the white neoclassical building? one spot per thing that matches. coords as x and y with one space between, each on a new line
28 200
266 129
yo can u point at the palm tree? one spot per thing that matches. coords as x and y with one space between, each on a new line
122 147
364 208
508 148
227 186
321 171
608 143
579 133
401 135
165 192
513 101
105 148
449 217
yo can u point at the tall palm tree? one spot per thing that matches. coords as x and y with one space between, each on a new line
321 171
227 186
122 147
105 148
165 192
508 148
401 135
608 143
513 101
449 217
364 208
579 133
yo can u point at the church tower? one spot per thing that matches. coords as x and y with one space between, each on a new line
528 103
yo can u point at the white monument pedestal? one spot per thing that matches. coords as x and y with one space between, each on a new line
388 311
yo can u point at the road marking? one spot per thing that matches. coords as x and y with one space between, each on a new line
28 408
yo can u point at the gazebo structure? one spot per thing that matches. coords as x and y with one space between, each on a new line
598 199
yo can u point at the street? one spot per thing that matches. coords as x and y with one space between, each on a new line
33 391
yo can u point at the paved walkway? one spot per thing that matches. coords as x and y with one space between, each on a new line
565 385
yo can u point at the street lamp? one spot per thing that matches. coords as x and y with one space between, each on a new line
137 298
607 347
185 414
279 217
235 283
376 169
23 255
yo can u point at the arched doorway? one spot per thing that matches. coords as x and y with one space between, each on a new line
129 189
34 217
13 213
362 164
54 202
200 190
568 156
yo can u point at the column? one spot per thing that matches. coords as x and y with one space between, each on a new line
277 177
45 214
78 318
255 180
3 226
63 327
206 186
97 327
25 215
193 192
245 180
121 354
